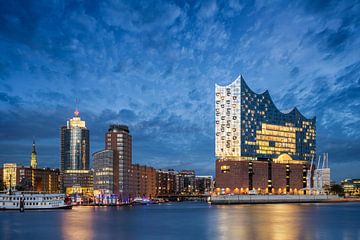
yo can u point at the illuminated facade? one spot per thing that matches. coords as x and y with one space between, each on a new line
106 173
248 126
33 162
256 145
30 179
9 175
351 187
78 182
142 181
74 155
119 140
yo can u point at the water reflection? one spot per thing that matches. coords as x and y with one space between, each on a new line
187 221
274 222
78 223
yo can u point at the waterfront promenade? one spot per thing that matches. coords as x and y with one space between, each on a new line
263 199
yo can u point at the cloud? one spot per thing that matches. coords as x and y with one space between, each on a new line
153 65
11 100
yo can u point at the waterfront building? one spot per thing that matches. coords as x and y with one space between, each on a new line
76 177
186 182
30 179
78 182
114 172
9 176
167 182
351 187
142 181
119 140
258 147
203 184
106 173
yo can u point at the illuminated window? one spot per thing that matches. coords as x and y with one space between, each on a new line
225 169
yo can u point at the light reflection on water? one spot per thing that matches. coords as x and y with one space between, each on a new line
273 222
78 224
187 221
288 221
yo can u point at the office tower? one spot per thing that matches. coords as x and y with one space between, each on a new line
119 140
106 172
74 152
256 145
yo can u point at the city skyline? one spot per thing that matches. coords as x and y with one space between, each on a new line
154 68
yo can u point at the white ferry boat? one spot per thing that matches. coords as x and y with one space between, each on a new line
23 201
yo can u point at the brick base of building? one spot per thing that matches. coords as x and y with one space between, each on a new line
239 177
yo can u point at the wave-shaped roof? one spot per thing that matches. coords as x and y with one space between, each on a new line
240 80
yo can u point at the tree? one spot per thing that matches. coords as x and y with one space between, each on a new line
337 189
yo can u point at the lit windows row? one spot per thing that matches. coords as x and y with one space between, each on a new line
276 139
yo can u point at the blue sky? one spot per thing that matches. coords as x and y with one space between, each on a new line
153 65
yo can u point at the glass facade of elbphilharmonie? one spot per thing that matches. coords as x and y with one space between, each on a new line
248 126
258 147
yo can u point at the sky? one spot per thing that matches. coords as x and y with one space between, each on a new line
153 65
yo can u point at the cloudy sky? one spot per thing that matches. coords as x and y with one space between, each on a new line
153 65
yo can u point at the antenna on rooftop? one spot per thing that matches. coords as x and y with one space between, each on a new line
76 113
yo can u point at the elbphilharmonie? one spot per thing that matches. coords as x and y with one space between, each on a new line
257 146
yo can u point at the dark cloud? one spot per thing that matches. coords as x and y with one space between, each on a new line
153 65
317 6
11 100
333 41
294 72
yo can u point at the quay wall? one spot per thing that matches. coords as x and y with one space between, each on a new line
254 199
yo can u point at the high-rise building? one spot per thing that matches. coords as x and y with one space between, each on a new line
256 145
33 162
76 177
106 172
119 140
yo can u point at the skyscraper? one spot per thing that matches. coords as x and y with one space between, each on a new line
75 145
119 140
33 162
252 136
114 172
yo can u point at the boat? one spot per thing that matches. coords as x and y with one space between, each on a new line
158 200
141 201
22 201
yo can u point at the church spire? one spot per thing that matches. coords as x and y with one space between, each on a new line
33 162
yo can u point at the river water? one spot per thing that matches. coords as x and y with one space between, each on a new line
188 220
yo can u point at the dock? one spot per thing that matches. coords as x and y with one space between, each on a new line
264 199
